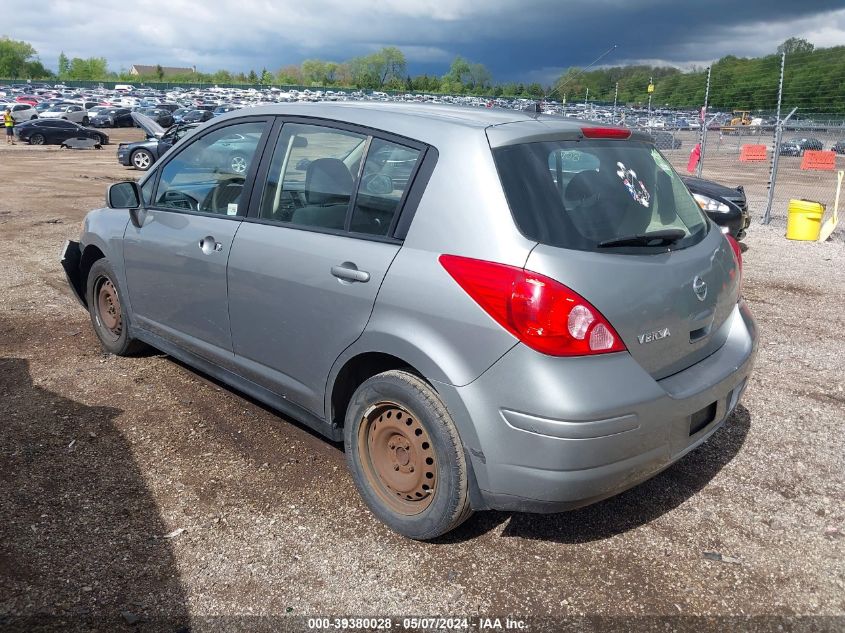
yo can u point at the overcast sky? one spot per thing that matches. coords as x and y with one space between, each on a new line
516 39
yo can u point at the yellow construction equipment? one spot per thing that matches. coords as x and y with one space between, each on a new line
737 122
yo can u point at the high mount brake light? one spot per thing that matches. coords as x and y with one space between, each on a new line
605 132
539 311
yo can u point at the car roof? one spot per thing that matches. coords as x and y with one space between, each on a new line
426 121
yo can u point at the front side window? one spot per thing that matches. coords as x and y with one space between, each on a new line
588 195
208 175
312 176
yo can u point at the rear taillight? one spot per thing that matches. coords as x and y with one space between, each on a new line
737 255
539 311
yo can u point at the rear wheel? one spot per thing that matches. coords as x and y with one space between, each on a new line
406 457
107 312
85 120
36 139
141 159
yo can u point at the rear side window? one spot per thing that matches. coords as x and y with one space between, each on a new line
312 176
578 194
387 170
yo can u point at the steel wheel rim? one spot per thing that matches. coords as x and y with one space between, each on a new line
397 457
141 160
108 307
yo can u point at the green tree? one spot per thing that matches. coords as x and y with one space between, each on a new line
266 77
375 70
159 72
222 77
14 57
795 45
64 65
91 69
289 76
313 72
252 77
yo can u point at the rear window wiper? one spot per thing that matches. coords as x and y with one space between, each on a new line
663 237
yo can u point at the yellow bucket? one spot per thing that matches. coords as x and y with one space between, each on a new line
805 220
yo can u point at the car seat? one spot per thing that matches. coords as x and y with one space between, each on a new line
328 188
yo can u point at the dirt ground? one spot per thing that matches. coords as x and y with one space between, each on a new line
134 492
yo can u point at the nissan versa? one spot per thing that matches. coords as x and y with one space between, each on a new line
492 309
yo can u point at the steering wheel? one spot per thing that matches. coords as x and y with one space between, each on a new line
218 197
176 199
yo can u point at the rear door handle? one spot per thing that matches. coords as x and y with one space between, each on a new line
348 271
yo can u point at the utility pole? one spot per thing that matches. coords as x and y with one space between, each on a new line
615 98
702 137
773 169
650 91
586 98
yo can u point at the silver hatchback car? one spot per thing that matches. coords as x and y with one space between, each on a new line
492 309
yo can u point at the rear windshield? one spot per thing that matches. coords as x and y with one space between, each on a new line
579 194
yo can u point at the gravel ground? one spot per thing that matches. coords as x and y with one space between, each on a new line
135 489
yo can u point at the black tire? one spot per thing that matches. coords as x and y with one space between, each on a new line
85 120
141 159
417 414
111 327
33 117
37 139
102 140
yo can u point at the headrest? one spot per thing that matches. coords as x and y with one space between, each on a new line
328 181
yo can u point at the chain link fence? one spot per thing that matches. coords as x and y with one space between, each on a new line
788 152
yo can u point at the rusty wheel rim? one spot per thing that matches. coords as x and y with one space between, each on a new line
398 458
108 307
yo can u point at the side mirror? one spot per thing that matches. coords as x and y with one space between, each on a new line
126 195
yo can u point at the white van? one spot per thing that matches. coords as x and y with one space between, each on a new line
124 87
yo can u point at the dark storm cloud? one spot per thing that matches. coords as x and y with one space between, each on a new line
516 39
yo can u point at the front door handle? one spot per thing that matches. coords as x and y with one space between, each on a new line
348 271
209 245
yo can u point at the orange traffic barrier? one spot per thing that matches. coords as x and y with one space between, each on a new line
752 153
821 161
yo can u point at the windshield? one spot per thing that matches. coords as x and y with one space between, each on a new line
586 194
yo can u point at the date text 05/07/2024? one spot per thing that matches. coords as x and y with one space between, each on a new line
418 623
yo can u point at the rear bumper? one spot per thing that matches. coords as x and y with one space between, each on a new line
71 260
558 433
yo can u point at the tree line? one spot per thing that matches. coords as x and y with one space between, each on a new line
814 78
814 81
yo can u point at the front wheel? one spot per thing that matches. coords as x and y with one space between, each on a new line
107 312
141 159
406 457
